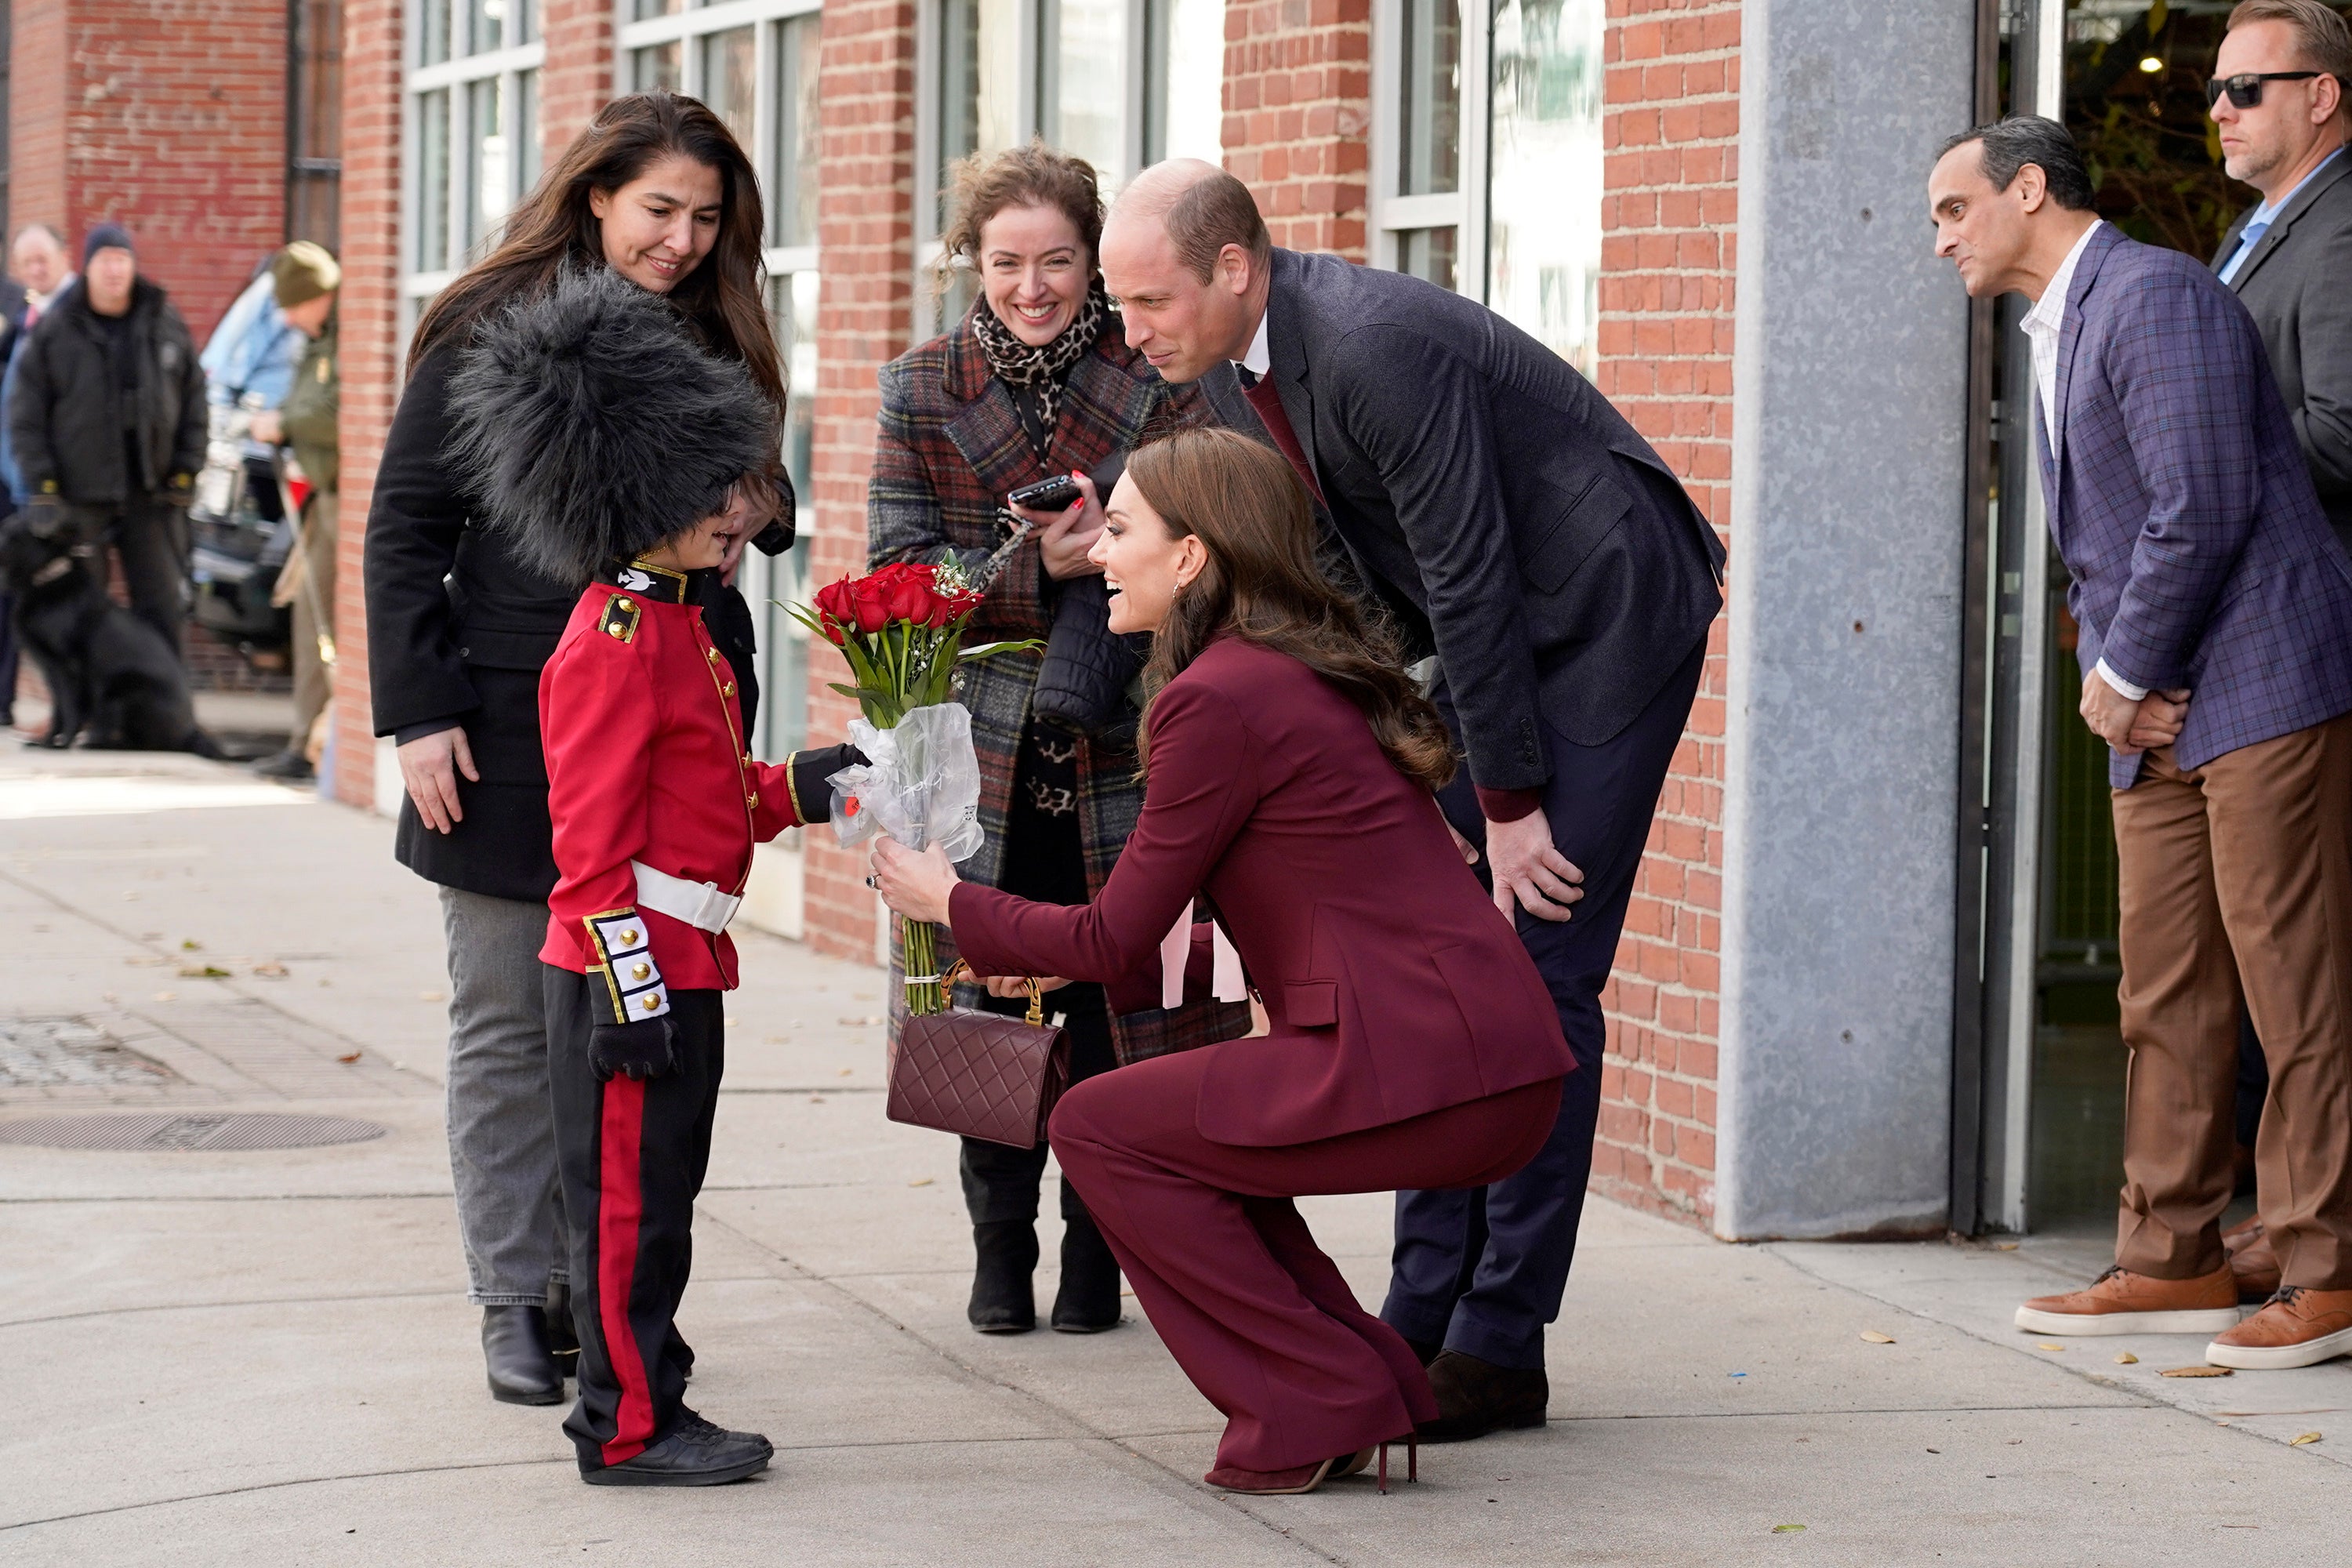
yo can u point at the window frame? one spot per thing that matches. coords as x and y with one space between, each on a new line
456 76
1465 209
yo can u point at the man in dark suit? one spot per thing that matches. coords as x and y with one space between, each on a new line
2278 102
1520 531
2215 609
2289 258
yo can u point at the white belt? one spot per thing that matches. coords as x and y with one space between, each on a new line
699 904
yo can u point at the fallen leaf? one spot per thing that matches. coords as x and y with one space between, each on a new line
167 996
2004 1246
817 1100
1872 1336
1935 1450
349 1056
847 1072
920 1181
2196 1371
2304 1438
858 1023
431 996
192 945
2124 1358
270 969
203 971
1786 1529
2046 1345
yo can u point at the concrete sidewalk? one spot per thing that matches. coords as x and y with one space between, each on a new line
266 1357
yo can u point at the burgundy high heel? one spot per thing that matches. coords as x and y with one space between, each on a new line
1412 1461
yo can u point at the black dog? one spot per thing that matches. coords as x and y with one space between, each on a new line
112 676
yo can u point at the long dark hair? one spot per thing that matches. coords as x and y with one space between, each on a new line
554 227
1262 583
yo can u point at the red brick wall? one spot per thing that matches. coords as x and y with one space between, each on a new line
1299 85
576 78
369 343
166 116
1670 129
865 316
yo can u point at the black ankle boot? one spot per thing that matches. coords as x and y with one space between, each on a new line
514 1348
562 1338
1088 1301
1001 1300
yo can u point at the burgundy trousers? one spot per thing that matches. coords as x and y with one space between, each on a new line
1254 1312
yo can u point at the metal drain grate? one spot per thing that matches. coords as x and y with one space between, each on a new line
224 1131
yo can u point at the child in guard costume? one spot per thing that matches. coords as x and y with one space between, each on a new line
617 451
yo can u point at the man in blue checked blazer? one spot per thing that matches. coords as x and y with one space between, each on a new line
2215 608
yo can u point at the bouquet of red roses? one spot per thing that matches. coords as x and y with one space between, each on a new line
901 628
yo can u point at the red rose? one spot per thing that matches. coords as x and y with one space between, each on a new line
832 629
833 600
868 605
910 599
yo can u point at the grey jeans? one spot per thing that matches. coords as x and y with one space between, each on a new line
501 1119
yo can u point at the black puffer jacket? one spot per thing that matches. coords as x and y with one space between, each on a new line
65 415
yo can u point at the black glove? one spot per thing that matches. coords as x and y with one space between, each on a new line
811 794
646 1048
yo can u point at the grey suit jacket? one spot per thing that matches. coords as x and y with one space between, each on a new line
2298 285
1529 536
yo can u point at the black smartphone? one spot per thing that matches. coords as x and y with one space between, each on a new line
1046 495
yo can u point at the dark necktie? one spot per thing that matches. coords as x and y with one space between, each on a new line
1263 397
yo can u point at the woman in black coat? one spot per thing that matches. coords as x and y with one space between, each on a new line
458 629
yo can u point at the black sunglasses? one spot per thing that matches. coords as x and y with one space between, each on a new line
2245 91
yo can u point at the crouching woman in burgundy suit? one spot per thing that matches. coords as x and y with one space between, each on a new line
1290 765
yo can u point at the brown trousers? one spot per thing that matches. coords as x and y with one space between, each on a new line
314 613
2239 872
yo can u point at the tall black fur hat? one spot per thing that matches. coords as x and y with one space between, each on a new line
590 426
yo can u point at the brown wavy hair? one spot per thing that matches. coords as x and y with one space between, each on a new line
554 227
1262 584
1035 175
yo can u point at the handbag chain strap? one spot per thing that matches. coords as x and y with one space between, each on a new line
959 974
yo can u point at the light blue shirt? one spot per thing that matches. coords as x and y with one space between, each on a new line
2259 225
254 349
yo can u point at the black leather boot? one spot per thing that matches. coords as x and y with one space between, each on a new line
695 1453
1475 1397
1003 1302
563 1338
522 1368
1088 1301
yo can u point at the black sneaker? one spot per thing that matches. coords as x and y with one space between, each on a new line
697 1453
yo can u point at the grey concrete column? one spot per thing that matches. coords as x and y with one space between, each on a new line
1849 419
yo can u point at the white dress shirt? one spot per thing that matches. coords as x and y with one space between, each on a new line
2044 325
1259 359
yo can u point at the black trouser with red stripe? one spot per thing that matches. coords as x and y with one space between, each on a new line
633 1154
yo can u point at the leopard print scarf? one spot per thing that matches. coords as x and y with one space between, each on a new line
1017 363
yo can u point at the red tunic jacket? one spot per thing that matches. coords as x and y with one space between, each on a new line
1394 986
645 761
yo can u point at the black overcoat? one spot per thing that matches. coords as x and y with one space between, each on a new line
458 629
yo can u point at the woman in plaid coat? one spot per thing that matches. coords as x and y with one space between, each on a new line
1036 380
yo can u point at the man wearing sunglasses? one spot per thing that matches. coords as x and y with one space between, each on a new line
2278 97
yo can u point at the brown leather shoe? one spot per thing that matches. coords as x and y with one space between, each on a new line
2297 1327
2122 1302
2253 1259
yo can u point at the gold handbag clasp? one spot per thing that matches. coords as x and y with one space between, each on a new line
959 974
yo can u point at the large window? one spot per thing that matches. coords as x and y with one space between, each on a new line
473 132
1486 157
1120 83
755 62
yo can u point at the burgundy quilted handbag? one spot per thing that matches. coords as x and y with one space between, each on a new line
979 1074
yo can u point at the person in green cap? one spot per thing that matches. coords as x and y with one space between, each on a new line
305 278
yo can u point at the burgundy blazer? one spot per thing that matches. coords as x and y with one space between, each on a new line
1394 986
